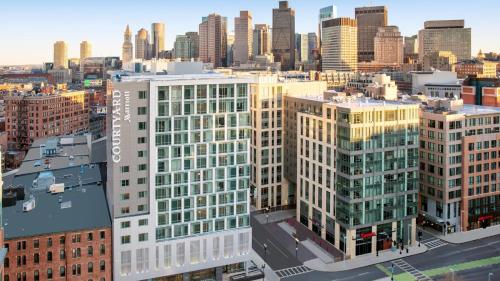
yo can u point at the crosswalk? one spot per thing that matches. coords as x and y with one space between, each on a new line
433 243
419 276
292 271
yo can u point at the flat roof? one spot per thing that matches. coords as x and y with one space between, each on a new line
176 77
77 208
470 109
367 102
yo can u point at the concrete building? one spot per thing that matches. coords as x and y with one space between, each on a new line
302 47
61 75
368 20
410 46
442 61
283 38
340 45
388 45
56 236
32 116
476 68
445 35
420 78
85 50
312 44
268 185
382 87
127 47
243 38
157 39
261 40
450 91
230 49
186 46
357 167
213 40
60 55
142 46
458 171
481 91
180 198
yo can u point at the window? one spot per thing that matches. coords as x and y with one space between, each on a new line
141 140
77 269
143 222
141 126
142 95
49 256
125 239
62 254
49 273
36 243
141 110
102 265
102 249
90 236
143 237
90 267
141 167
36 258
125 224
124 183
102 234
62 240
36 275
49 242
62 271
124 169
90 251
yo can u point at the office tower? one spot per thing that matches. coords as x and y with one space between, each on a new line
268 185
445 35
312 45
388 45
357 168
410 45
302 47
340 44
157 39
60 55
261 40
142 46
213 40
243 37
326 13
283 38
127 47
369 20
70 111
442 61
186 46
85 50
230 49
458 169
181 195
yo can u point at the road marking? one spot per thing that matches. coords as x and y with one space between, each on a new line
292 271
279 250
435 243
419 276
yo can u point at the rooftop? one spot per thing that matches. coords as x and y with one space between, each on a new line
81 206
55 153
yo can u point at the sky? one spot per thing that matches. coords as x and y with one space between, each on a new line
30 27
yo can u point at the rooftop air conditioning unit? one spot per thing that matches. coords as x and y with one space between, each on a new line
29 205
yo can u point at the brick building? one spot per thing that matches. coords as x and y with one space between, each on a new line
481 91
57 226
32 116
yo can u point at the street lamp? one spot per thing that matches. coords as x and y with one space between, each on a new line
452 274
345 247
263 272
265 250
392 271
296 247
489 276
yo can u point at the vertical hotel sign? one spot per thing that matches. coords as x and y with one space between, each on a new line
120 112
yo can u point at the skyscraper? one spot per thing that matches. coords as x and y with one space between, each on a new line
445 35
410 45
369 20
326 13
85 50
157 39
60 55
340 44
312 40
213 40
284 36
261 39
388 45
302 47
243 37
186 46
142 47
181 195
127 47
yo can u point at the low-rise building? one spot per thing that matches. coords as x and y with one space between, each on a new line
441 60
481 91
476 68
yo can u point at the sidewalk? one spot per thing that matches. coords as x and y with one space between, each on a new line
467 236
323 255
364 260
269 274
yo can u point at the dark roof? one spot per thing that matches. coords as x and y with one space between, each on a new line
88 208
99 151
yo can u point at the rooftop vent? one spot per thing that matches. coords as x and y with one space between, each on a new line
29 205
56 188
66 205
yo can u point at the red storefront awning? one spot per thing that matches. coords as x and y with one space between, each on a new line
483 218
367 235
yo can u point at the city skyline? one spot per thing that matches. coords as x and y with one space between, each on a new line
105 30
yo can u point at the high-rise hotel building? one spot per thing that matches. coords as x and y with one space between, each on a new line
357 170
178 175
